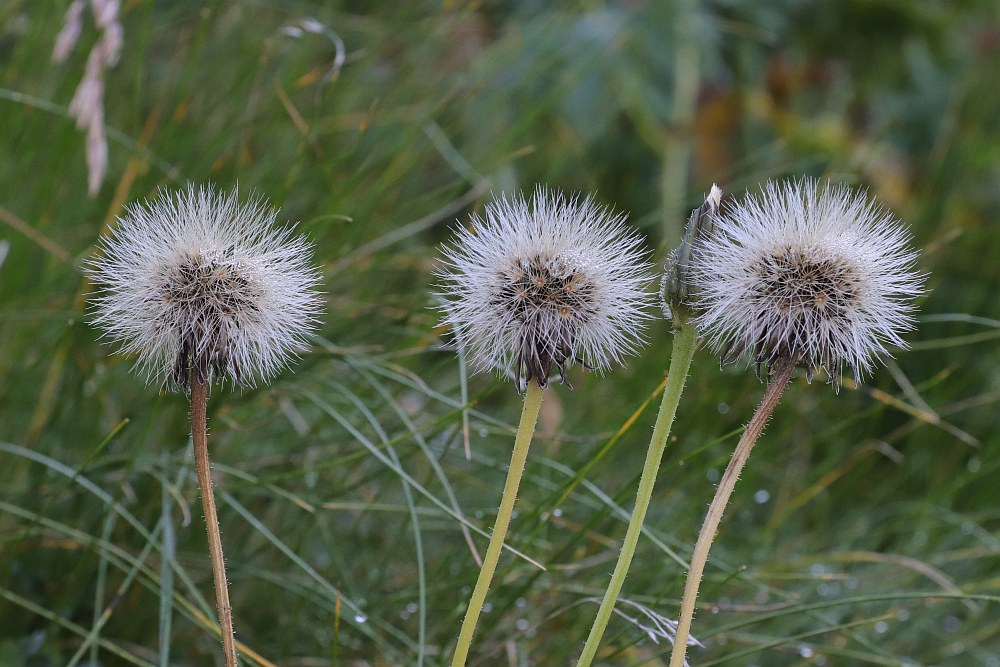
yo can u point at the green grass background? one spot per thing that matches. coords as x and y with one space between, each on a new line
866 530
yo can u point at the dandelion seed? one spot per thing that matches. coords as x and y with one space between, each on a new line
204 288
534 287
196 283
816 273
805 274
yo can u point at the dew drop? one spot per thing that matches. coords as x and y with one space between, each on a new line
360 618
312 25
974 464
723 408
881 628
761 497
36 641
806 652
828 589
951 624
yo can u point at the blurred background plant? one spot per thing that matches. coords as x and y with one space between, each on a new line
868 530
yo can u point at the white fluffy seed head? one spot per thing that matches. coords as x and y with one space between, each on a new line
535 286
196 283
816 273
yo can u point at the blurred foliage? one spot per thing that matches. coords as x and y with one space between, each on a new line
866 530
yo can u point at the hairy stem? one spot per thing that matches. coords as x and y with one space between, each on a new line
680 362
199 436
525 431
782 373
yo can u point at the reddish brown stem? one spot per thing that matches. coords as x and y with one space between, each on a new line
780 375
199 436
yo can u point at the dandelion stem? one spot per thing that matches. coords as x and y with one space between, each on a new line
680 362
525 431
781 374
199 436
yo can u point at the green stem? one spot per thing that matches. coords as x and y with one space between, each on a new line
680 362
781 374
199 437
525 431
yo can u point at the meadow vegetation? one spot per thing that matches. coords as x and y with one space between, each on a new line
866 530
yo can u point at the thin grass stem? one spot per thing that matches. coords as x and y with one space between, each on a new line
678 145
199 436
781 374
525 431
680 362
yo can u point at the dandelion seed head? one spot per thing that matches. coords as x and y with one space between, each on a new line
816 273
535 286
195 282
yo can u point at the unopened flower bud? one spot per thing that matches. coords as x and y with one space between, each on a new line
676 285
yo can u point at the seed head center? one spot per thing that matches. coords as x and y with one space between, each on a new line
210 300
551 299
217 290
798 283
546 285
